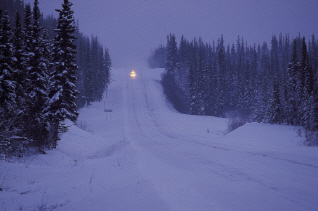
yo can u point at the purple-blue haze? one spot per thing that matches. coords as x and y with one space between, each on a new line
131 29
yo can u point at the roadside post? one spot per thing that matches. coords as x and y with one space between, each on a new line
108 111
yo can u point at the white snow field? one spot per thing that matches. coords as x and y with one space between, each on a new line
146 156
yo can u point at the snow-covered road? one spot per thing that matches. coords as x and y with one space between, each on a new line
192 171
146 156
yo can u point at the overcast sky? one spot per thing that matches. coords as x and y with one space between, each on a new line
131 29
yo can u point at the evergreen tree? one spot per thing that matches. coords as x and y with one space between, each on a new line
81 61
19 64
192 90
107 65
183 65
307 72
314 113
27 28
106 69
62 104
171 76
20 75
88 74
292 89
38 84
194 104
274 109
307 111
310 120
7 82
220 78
172 54
307 83
274 60
7 85
45 48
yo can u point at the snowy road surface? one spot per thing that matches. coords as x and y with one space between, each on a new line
146 156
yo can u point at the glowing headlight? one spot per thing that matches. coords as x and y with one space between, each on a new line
132 74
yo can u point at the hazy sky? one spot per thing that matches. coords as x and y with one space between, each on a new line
131 29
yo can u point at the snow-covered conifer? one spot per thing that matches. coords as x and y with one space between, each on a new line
172 57
274 109
19 64
7 85
7 81
62 103
292 88
27 28
107 65
37 90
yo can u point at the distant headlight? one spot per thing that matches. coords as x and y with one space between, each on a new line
132 74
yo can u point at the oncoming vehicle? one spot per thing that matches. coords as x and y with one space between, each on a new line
133 74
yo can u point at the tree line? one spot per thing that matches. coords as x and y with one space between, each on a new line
44 76
276 84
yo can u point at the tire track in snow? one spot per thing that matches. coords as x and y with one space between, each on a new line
188 160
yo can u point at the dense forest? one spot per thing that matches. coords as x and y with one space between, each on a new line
48 70
276 84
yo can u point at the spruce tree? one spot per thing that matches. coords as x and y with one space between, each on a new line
62 104
27 28
192 91
38 84
307 112
7 82
107 66
220 77
292 88
27 53
45 48
314 112
274 109
308 101
7 86
20 75
307 72
19 64
172 54
88 74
